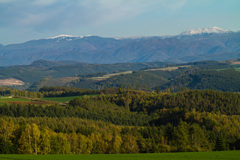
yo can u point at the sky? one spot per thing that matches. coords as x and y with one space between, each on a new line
24 20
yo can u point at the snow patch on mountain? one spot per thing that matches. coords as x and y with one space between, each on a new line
68 37
63 36
211 30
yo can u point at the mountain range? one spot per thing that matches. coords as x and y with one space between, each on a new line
194 45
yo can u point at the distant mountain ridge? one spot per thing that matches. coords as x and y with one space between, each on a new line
211 30
189 46
45 63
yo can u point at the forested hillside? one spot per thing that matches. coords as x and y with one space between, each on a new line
222 75
41 69
120 120
224 80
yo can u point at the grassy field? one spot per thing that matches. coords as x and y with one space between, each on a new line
14 100
234 62
163 69
224 69
39 101
10 100
110 75
237 69
167 69
224 155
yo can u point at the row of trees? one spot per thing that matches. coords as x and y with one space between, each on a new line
30 136
206 100
54 92
95 110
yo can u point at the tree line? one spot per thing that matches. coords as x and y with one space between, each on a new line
77 136
127 121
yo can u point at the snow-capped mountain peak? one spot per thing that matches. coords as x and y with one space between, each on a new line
68 37
211 30
62 36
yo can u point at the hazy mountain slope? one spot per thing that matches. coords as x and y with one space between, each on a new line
85 49
44 63
151 50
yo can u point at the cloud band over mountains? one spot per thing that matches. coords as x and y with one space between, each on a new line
39 18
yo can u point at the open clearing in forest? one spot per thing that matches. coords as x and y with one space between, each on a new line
110 75
237 69
223 155
167 68
224 69
11 82
4 100
234 62
163 69
24 100
41 101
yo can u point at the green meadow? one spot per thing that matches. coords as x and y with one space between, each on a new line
6 100
54 99
14 100
223 155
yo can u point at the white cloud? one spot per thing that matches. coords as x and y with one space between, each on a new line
103 11
44 2
6 1
44 16
31 13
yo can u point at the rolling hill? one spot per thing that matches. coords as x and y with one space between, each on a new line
41 69
223 75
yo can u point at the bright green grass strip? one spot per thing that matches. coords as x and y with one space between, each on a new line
224 69
65 99
110 75
5 100
237 69
14 100
224 155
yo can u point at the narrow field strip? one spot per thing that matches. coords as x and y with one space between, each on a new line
223 155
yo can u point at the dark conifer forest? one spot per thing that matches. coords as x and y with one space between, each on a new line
119 120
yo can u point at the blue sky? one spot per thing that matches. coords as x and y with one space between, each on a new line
23 20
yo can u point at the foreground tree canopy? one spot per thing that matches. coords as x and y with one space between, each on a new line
121 121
